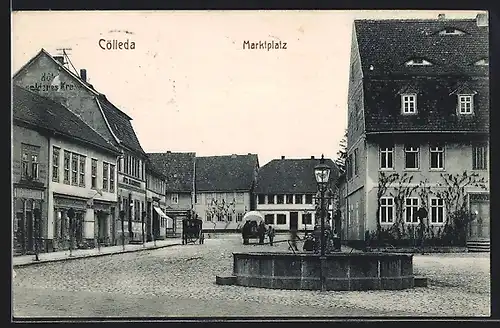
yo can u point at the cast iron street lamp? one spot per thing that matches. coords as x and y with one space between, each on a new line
322 175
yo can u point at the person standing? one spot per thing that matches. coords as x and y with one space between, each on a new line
293 238
262 232
270 234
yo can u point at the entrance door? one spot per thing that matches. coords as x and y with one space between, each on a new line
294 220
103 227
156 225
479 228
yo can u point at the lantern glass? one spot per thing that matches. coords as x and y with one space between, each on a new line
322 174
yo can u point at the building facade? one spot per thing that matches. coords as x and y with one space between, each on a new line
224 190
49 76
418 128
286 193
179 171
156 220
79 169
29 177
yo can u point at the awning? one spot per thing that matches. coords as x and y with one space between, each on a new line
160 212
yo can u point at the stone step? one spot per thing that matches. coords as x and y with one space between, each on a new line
420 282
225 280
478 246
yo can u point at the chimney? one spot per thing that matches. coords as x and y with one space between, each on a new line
282 157
312 157
441 16
83 74
482 19
60 59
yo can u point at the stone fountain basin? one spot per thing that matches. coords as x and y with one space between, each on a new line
338 271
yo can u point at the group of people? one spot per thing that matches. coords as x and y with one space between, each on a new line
266 231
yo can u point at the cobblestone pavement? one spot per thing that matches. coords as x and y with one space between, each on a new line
180 281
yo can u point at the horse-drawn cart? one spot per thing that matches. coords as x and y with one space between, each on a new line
192 231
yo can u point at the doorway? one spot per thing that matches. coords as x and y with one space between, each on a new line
479 227
102 219
294 220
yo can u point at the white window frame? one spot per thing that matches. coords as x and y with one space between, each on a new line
433 220
93 175
439 150
56 158
239 217
386 151
174 198
477 148
279 214
384 204
463 101
412 208
412 149
408 98
105 176
111 181
82 173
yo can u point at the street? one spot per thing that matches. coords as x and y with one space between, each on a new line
179 281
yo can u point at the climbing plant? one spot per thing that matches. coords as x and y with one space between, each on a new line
453 189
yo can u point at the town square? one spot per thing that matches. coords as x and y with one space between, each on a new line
264 173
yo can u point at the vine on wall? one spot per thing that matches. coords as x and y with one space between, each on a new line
452 189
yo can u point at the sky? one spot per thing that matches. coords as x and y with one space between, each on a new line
190 86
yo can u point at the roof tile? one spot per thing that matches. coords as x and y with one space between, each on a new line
226 173
177 169
45 113
290 176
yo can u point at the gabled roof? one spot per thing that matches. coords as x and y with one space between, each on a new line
388 44
290 176
117 120
38 111
226 173
178 169
120 125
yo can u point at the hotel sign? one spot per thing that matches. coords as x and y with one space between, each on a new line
28 193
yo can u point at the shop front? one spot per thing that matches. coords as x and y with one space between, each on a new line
30 219
66 233
174 224
105 222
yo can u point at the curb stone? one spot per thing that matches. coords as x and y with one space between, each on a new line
69 258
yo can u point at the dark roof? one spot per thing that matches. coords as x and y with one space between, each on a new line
119 121
226 173
177 169
153 169
290 176
388 44
436 106
120 124
42 112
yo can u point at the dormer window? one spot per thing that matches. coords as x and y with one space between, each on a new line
451 31
409 103
482 62
418 62
465 104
